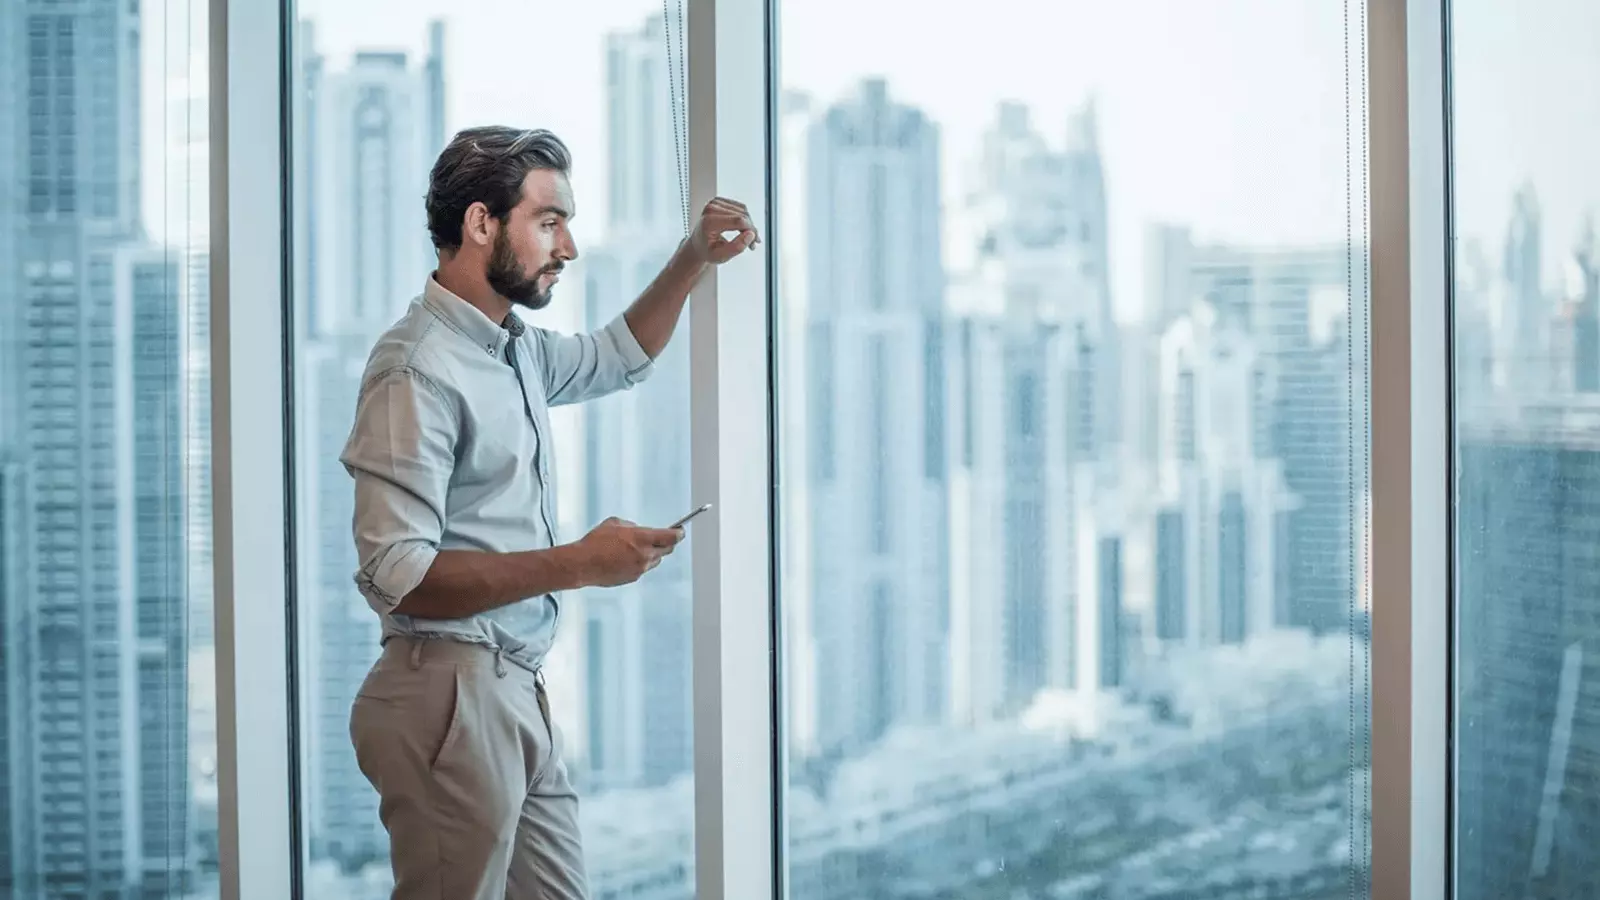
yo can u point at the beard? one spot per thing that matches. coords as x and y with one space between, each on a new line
511 281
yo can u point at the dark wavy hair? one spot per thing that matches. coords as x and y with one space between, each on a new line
487 164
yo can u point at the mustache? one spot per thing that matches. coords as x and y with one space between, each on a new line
552 268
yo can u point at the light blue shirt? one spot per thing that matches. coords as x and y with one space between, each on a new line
451 450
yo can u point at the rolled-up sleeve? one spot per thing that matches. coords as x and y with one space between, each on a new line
401 453
579 367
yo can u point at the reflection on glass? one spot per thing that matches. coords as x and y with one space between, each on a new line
1526 312
107 702
381 87
1072 411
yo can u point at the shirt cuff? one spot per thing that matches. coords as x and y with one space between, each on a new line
638 363
389 576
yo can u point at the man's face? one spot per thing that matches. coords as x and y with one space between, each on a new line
534 243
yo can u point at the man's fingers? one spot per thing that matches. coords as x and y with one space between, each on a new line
662 538
728 215
723 203
746 234
732 221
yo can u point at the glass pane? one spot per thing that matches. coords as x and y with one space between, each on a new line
1074 416
107 695
1527 434
383 86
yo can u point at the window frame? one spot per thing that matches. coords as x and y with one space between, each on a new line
1411 424
737 751
738 688
257 829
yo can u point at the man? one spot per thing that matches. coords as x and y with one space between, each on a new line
455 521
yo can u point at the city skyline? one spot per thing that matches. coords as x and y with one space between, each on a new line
1222 80
1037 558
98 793
608 677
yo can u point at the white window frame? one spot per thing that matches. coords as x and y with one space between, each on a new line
1412 466
738 824
255 790
729 88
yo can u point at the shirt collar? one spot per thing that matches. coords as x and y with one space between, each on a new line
468 319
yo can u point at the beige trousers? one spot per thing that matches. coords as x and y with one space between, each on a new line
471 785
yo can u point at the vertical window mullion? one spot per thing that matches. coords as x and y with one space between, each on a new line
1411 410
249 466
729 87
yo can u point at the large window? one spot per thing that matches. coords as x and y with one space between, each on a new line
380 88
1526 311
1080 611
1061 333
107 700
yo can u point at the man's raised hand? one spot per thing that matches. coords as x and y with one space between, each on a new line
720 218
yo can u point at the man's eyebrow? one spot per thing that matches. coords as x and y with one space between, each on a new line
551 210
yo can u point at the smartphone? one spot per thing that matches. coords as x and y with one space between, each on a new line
685 520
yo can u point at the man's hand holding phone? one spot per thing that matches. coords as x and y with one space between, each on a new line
618 552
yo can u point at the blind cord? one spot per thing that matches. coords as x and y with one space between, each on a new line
677 88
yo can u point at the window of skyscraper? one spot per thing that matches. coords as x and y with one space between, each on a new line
381 86
108 751
1526 313
1050 459
1080 674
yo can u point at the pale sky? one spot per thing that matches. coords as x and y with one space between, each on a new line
1227 115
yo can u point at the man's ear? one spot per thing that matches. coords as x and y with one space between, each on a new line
478 227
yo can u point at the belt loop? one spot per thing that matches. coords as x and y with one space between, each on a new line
499 662
416 653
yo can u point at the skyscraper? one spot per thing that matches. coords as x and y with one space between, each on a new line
148 319
1303 314
341 631
1529 648
372 128
18 843
644 103
792 355
187 193
375 129
1029 513
1034 402
636 639
1576 335
186 221
878 470
17 569
1474 350
1520 311
1222 491
95 772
